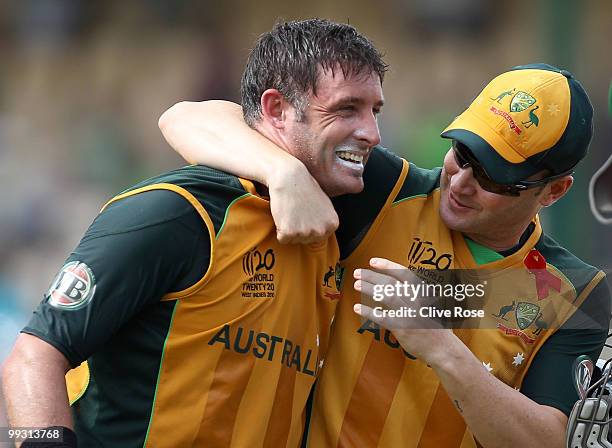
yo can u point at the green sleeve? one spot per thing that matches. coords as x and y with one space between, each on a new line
138 249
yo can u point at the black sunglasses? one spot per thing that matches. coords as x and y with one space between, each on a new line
465 158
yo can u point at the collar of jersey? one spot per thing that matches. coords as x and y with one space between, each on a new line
254 189
466 259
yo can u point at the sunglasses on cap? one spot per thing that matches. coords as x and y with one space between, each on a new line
465 158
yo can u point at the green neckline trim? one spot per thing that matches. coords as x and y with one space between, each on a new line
227 212
481 254
422 195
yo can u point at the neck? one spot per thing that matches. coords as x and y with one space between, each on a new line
272 134
499 243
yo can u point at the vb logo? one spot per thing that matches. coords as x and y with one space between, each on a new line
254 261
73 287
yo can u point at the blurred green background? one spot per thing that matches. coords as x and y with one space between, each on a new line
82 84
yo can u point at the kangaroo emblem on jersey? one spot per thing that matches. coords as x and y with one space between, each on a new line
505 310
337 273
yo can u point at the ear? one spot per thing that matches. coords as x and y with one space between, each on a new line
556 190
273 108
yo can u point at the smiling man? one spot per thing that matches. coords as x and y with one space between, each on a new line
197 326
323 113
505 381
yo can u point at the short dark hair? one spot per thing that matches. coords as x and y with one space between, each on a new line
288 59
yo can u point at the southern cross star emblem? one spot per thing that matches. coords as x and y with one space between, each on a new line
487 366
552 109
518 359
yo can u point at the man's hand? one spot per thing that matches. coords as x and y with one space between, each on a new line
213 133
302 212
519 422
421 336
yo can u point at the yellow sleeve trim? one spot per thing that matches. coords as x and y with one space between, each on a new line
203 214
77 381
588 288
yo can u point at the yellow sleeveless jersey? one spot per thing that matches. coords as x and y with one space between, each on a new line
244 344
371 392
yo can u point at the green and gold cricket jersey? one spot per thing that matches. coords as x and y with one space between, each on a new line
198 327
372 393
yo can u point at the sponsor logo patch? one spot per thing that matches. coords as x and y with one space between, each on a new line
73 287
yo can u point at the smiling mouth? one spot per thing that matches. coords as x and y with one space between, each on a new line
456 201
350 157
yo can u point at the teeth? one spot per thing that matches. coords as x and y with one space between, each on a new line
344 155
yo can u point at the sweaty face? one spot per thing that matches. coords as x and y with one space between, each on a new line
481 215
338 129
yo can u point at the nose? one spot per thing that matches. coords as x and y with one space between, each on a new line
462 182
368 132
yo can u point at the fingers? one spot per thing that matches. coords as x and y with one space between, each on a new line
392 324
383 263
304 236
302 212
365 311
385 272
392 269
305 226
375 277
378 293
387 282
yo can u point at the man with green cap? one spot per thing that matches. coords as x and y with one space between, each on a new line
502 379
